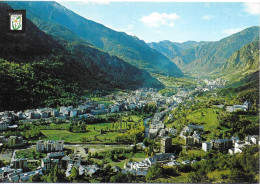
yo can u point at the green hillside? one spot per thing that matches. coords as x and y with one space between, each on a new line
37 69
208 57
128 48
201 58
242 63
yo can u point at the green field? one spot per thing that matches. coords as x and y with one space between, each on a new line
93 134
102 101
205 115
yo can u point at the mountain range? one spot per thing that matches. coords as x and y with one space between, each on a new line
129 48
63 55
202 58
44 68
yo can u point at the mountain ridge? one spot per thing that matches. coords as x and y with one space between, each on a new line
44 69
126 47
207 57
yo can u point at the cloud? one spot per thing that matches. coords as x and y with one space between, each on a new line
158 19
232 30
252 8
208 17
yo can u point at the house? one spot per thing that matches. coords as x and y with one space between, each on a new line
185 131
15 141
196 127
164 157
189 141
73 113
206 146
193 161
171 131
65 111
254 139
114 108
234 139
88 169
20 115
157 125
55 112
55 154
26 176
75 160
197 138
7 170
2 174
170 116
185 162
65 161
13 175
152 133
116 169
173 163
163 133
230 109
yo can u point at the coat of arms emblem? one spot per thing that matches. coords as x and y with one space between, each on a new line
16 22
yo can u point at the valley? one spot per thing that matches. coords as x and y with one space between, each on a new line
83 103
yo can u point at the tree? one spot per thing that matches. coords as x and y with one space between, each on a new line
35 179
74 174
119 178
153 173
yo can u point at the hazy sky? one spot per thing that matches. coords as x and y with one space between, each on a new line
174 21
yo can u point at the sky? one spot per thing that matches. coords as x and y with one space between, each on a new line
174 21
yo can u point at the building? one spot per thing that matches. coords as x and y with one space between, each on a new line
73 113
189 141
65 161
14 141
75 160
55 112
206 146
196 127
26 176
59 145
4 125
114 108
166 144
19 163
221 144
56 154
49 163
152 133
40 146
49 146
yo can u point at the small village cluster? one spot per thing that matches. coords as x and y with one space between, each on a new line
154 129
232 145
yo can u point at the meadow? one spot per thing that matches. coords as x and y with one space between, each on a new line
96 133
